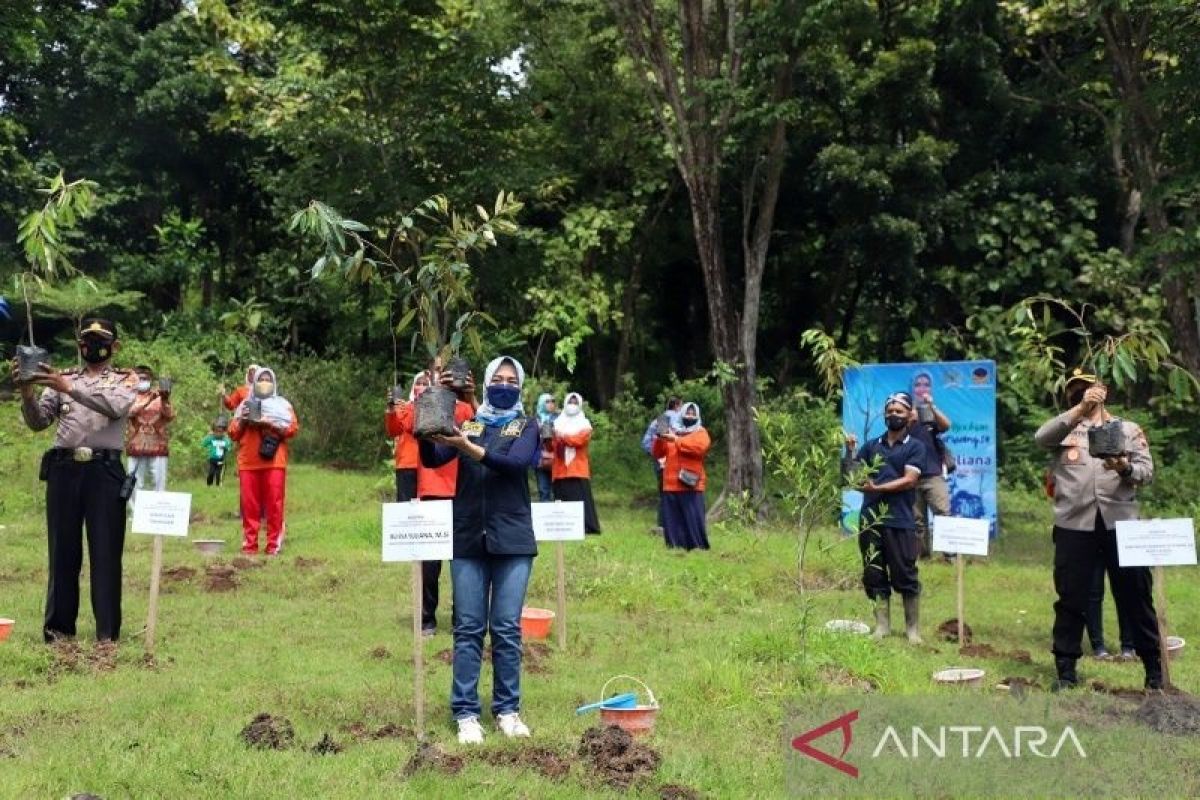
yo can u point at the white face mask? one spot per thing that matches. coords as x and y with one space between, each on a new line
143 386
572 409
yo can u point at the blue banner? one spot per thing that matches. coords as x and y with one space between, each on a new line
965 391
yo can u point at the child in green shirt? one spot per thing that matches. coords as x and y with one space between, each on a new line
217 445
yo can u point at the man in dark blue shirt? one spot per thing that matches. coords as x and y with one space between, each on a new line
887 537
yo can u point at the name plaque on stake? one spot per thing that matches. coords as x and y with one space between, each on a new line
558 522
162 513
418 531
1156 543
968 537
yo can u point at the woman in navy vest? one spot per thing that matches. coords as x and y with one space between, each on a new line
494 546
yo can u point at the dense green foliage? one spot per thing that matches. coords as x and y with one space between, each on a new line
944 161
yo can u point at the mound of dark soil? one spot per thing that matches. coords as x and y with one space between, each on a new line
220 578
1176 715
269 733
948 631
326 747
543 760
617 758
432 756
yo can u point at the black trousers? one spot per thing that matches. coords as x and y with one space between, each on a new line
1076 555
216 469
579 490
406 485
1095 615
80 496
889 558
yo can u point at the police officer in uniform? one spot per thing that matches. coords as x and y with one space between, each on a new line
1091 496
84 478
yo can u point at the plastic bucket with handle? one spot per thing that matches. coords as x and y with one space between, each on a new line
637 719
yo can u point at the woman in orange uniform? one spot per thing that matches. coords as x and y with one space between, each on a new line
399 425
262 426
684 449
570 471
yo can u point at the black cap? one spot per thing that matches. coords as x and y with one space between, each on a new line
98 326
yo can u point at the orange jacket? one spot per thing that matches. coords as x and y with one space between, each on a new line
249 436
399 424
579 466
441 482
236 397
686 452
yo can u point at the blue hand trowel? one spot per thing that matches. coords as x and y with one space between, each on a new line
626 700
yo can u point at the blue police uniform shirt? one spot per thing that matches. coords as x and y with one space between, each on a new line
895 459
931 467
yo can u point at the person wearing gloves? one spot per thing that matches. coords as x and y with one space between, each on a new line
684 449
547 412
571 471
1091 495
494 546
148 438
262 427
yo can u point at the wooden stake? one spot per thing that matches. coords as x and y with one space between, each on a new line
562 596
155 578
418 651
958 560
1160 606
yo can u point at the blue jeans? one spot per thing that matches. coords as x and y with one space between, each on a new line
545 485
488 595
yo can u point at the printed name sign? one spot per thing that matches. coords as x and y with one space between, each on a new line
961 535
162 513
557 522
418 531
1156 543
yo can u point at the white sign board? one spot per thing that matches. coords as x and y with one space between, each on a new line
162 513
418 531
961 535
1156 543
557 522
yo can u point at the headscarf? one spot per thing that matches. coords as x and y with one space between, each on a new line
542 414
412 387
567 425
275 409
677 424
500 416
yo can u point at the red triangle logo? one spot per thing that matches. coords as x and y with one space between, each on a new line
842 723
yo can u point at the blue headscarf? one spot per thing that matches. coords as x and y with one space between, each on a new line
494 417
542 414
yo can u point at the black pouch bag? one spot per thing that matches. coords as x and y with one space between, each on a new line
268 447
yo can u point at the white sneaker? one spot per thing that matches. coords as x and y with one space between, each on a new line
511 726
470 731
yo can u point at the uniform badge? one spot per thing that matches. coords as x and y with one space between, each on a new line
472 428
1072 454
513 428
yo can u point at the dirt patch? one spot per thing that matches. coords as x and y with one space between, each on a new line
199 518
1124 692
533 657
948 631
616 758
308 563
178 574
381 653
389 731
66 657
1175 715
432 756
984 650
241 562
1020 656
445 656
220 578
326 747
103 657
674 791
542 760
269 733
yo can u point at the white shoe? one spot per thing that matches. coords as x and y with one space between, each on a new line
511 726
470 731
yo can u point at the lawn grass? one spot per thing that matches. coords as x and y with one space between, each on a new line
717 636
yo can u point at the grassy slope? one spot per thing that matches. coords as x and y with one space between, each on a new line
716 635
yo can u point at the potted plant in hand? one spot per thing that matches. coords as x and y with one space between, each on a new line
422 259
41 235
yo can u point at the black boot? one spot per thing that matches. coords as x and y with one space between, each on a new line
1067 678
1154 673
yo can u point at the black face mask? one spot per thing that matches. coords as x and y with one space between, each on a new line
895 422
690 422
95 352
1074 399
